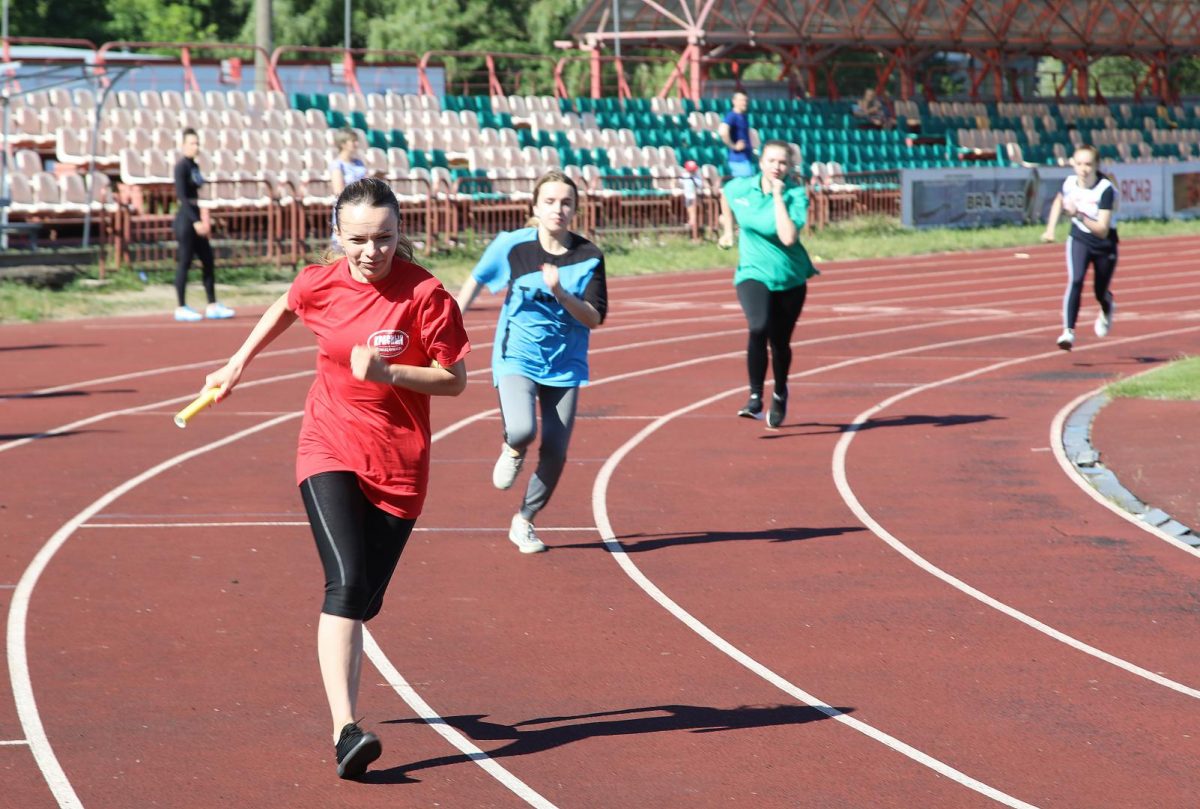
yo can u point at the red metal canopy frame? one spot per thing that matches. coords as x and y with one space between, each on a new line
996 33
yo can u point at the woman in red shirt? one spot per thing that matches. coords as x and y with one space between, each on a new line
389 336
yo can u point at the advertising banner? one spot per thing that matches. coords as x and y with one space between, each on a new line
1182 190
1001 196
967 198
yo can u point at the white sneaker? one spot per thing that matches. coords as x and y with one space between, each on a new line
217 311
1066 340
506 468
523 536
186 314
1104 322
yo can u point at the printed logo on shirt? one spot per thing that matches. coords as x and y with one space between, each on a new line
389 342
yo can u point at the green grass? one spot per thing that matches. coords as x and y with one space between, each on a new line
1180 380
865 238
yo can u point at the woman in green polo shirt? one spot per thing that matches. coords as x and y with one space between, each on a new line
773 268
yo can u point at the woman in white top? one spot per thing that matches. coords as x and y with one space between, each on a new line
1091 201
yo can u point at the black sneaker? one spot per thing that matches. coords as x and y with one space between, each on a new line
356 749
777 412
753 408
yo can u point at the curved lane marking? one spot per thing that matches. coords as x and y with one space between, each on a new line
1060 454
847 492
18 610
608 535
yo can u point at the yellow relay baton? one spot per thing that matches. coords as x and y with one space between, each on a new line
202 401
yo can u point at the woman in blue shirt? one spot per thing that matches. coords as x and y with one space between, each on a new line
557 293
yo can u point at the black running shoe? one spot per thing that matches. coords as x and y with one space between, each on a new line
753 408
356 750
778 411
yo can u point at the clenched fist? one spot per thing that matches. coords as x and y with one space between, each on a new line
366 364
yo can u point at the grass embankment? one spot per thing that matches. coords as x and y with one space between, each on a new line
1180 380
125 293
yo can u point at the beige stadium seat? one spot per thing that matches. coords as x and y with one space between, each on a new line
133 167
376 160
71 146
397 160
27 162
72 194
413 188
236 100
215 100
20 192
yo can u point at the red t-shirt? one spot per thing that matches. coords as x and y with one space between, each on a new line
380 432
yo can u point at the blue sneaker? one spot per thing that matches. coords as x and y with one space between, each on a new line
186 314
218 311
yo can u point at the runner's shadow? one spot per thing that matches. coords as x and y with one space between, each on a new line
952 420
526 738
653 542
63 394
43 346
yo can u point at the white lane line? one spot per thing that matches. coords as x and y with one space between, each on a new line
1060 455
18 614
13 742
166 369
75 425
608 535
304 524
847 492
18 664
443 728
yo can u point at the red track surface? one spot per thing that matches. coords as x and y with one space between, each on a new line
170 661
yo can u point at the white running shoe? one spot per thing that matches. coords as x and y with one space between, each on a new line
506 469
186 314
1066 340
523 536
1104 322
218 311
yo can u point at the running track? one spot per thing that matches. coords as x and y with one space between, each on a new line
901 598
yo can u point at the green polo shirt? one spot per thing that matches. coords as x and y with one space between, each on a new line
761 256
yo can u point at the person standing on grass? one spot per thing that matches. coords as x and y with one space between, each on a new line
735 134
557 293
1090 199
389 336
773 269
191 233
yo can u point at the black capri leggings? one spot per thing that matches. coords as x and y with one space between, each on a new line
193 246
1079 255
771 317
359 544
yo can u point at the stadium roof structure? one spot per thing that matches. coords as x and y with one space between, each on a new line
995 32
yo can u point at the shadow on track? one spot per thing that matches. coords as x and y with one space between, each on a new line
952 420
523 738
640 543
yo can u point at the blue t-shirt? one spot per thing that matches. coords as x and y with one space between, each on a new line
739 129
536 337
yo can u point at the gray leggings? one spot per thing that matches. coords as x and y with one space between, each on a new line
518 396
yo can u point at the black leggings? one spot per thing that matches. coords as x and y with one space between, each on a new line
193 246
359 543
1079 255
772 317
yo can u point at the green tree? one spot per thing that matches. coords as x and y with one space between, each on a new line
152 21
43 18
